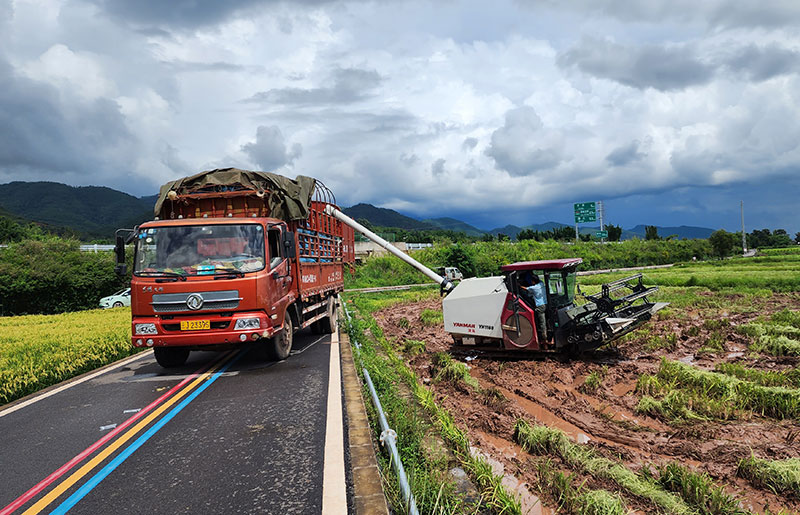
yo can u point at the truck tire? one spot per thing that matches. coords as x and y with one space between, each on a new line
279 346
170 357
327 324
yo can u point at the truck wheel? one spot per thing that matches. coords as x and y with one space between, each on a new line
327 324
279 346
170 357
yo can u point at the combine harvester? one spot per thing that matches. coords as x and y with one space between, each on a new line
495 313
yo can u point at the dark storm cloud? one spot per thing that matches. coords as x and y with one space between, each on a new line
269 149
522 147
762 63
347 85
641 67
45 131
713 13
626 154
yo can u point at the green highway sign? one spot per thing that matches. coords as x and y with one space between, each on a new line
601 234
585 212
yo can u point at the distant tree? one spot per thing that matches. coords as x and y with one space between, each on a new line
780 238
797 238
759 238
651 232
488 237
502 237
526 234
586 237
614 232
460 257
722 242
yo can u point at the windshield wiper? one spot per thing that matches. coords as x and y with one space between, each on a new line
177 276
227 272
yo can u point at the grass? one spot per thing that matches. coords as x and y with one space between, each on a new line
711 393
430 483
431 317
414 347
789 378
37 351
452 371
594 380
776 346
578 499
780 476
787 317
697 489
543 440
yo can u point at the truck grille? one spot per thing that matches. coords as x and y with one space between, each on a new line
212 301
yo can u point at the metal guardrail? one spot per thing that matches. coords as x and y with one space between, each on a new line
388 436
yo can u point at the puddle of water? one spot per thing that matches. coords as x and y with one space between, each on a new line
530 504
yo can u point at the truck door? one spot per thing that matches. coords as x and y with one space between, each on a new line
279 273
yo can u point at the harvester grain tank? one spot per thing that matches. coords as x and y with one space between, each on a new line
235 256
497 312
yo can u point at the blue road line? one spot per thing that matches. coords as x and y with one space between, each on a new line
73 499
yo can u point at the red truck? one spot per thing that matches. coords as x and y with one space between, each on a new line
232 257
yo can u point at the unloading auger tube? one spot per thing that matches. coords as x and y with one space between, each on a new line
444 284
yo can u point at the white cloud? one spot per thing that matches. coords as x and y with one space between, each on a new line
503 104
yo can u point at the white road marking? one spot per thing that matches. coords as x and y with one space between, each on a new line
334 495
106 428
296 352
54 391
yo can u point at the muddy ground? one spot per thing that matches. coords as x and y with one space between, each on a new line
551 391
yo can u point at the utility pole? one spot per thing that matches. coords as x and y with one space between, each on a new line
744 240
600 212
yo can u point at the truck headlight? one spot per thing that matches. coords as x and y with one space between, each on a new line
247 323
145 329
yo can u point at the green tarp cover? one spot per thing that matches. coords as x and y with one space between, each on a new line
288 199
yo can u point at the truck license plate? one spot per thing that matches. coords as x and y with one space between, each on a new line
195 325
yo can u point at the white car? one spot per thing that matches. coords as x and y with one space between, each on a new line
119 299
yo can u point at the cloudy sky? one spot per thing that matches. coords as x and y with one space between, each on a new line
671 111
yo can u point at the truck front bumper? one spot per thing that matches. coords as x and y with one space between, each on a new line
222 331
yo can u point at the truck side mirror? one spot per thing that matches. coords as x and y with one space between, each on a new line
289 247
121 267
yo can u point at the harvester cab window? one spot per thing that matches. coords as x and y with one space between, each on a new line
275 255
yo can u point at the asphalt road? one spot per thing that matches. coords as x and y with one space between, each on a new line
246 437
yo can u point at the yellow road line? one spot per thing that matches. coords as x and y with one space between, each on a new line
94 462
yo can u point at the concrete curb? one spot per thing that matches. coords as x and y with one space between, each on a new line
368 495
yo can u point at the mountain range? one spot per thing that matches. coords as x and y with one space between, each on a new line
95 212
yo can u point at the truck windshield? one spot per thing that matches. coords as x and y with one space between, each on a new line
199 250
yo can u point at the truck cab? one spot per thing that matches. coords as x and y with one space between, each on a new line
215 270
